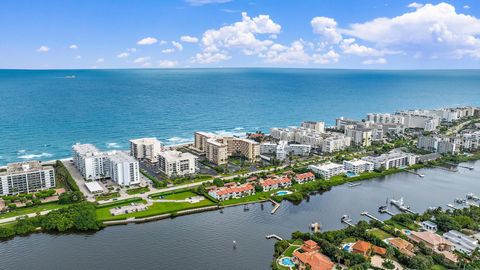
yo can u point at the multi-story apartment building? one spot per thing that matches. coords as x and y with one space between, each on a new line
442 145
94 165
91 162
386 118
335 143
317 126
283 149
25 177
124 169
360 136
394 159
145 148
218 148
358 166
423 119
341 123
326 171
176 163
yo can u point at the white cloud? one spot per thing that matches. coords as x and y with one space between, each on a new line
100 60
167 63
141 60
349 46
189 39
43 49
78 57
293 54
73 47
163 42
147 41
330 57
206 2
177 45
327 29
435 30
146 64
123 55
168 50
379 61
415 5
466 7
131 50
239 35
211 57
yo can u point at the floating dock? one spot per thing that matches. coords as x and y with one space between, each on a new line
370 216
386 211
273 236
460 166
347 220
446 169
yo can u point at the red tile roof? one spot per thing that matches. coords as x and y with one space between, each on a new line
315 260
271 182
306 175
236 189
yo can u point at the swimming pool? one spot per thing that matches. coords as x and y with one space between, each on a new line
282 192
286 261
350 174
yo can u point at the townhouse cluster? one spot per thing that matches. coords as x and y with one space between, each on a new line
218 148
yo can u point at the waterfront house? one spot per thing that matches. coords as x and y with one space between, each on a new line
462 242
312 260
429 226
304 177
272 184
232 192
403 246
309 246
366 249
435 242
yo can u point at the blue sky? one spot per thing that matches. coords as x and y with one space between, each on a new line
254 33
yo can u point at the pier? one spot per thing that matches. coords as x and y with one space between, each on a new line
273 236
386 211
275 208
446 169
460 166
452 206
347 220
370 216
414 172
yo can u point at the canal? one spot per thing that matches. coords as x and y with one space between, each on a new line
205 240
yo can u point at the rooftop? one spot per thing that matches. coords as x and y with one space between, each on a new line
328 166
93 187
27 166
145 140
84 149
120 156
174 155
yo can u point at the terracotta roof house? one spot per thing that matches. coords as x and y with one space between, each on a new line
312 260
402 245
309 246
366 249
232 192
435 242
271 184
304 177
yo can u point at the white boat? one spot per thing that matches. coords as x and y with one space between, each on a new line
354 184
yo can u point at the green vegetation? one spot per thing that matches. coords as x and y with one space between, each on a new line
138 190
63 176
107 196
379 233
103 213
179 195
20 211
155 181
259 196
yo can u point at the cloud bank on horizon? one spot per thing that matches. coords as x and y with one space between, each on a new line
437 33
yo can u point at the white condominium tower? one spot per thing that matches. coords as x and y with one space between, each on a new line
176 163
145 148
25 177
124 169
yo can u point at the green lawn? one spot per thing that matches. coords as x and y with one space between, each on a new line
380 233
438 267
289 251
103 213
254 198
33 209
179 196
138 190
108 196
168 193
349 240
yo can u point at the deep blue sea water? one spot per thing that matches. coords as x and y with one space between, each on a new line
42 113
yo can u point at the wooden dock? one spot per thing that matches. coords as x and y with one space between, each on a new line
275 208
386 211
273 236
446 169
370 216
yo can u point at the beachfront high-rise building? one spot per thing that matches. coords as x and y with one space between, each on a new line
94 164
218 148
335 143
145 148
91 162
317 126
360 135
124 169
25 177
176 163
